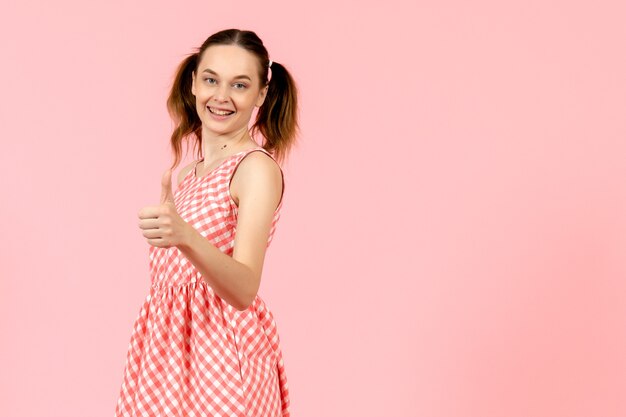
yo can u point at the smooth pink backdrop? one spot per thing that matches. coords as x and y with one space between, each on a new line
452 241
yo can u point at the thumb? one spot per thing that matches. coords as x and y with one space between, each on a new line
166 188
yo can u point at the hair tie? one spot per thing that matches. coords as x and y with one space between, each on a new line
270 63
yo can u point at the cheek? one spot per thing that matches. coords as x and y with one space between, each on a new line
246 103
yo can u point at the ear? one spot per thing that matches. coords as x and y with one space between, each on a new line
193 83
262 95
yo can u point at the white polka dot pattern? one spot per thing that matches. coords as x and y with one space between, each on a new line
191 354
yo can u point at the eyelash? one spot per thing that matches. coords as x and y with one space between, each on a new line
242 84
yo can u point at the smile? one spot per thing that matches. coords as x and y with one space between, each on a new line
220 112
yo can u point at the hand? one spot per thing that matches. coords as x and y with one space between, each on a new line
161 225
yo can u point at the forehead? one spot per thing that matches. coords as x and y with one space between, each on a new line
229 60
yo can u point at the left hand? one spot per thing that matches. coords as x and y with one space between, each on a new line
162 225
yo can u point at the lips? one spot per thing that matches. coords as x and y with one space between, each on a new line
220 112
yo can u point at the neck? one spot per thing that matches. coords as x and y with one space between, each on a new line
217 146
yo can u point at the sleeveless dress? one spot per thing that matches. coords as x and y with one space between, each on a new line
191 354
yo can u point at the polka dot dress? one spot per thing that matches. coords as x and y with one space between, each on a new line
191 354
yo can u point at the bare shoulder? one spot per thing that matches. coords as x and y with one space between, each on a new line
257 171
184 171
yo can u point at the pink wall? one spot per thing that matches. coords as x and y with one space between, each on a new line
452 241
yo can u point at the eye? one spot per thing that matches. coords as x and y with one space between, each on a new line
242 86
209 80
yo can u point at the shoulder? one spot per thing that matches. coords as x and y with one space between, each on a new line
184 171
257 171
257 159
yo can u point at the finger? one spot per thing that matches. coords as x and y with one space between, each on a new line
147 224
152 234
166 187
159 243
149 212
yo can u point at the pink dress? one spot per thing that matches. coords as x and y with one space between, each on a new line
191 354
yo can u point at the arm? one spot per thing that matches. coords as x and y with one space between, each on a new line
256 188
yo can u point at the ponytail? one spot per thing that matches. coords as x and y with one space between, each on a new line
181 105
277 118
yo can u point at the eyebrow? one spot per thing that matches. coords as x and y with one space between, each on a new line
239 76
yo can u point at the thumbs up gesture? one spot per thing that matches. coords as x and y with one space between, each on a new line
161 225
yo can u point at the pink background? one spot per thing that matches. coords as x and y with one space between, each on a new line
453 236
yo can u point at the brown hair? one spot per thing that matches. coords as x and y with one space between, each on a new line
276 119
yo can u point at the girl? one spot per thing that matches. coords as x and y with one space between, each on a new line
205 343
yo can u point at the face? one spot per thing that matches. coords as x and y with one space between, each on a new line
227 82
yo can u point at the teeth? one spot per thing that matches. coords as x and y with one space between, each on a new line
219 112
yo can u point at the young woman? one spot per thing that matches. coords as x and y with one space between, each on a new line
205 343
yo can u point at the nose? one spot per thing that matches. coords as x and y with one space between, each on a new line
221 94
